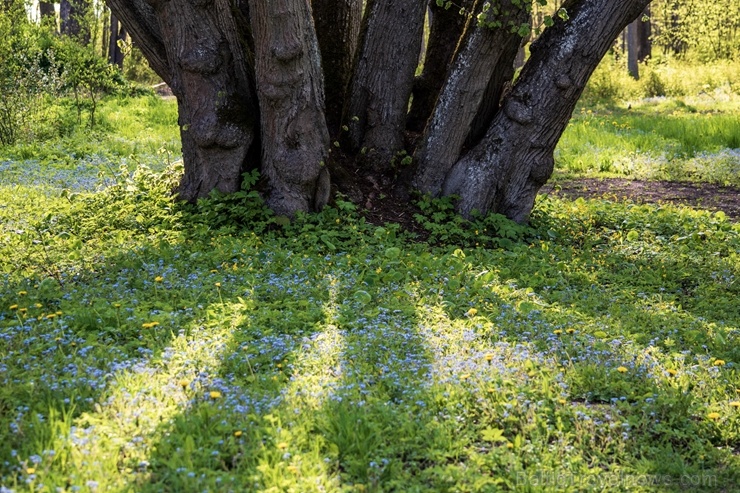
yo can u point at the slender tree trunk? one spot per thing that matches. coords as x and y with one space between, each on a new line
469 98
115 57
337 29
444 33
289 87
388 54
632 66
73 15
644 43
48 14
515 158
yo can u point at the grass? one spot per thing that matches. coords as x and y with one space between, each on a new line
151 346
691 135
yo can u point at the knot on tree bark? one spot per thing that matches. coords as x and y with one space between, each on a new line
563 82
519 112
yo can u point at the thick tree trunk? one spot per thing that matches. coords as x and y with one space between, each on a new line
337 29
388 54
469 98
289 87
504 172
195 48
444 33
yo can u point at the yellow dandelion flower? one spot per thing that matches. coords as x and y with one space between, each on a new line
158 279
215 394
214 271
59 312
471 312
30 470
562 401
22 310
671 372
713 415
622 369
557 332
22 293
735 404
464 377
719 362
13 307
509 445
184 383
218 284
238 433
51 315
570 331
489 357
38 305
282 445
116 305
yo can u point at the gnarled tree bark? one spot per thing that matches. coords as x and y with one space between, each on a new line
515 158
337 29
388 53
470 96
445 29
289 85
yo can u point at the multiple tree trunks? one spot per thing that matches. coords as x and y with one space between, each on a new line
249 78
504 172
337 29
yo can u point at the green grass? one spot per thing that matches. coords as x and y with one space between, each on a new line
692 136
142 351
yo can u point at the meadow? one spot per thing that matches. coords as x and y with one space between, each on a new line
149 345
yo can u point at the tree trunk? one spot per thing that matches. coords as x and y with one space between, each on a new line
115 55
47 13
505 170
444 33
388 54
289 87
73 15
470 97
337 29
632 67
644 43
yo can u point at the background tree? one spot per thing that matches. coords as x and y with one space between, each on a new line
250 94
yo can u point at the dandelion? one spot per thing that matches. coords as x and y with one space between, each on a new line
719 362
38 305
184 383
158 279
30 470
571 331
622 369
149 325
238 433
51 315
22 293
215 394
562 401
671 372
557 332
116 305
735 404
13 307
22 310
471 312
489 357
713 415
218 284
282 445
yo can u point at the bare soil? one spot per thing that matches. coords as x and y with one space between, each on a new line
698 195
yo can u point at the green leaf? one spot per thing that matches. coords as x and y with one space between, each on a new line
493 435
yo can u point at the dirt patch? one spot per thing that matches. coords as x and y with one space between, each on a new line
697 195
